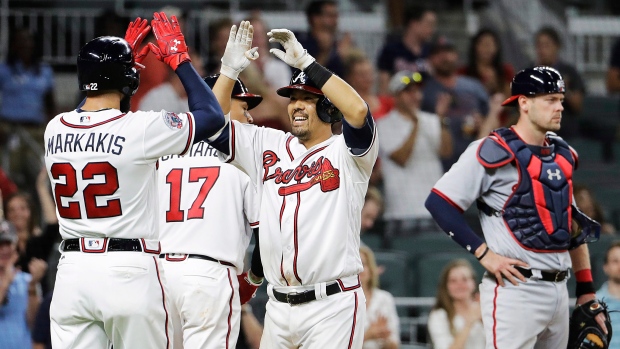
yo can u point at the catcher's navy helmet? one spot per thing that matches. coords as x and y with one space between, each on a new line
325 109
535 81
239 91
106 63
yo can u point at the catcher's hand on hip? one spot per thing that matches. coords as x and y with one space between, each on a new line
503 267
135 34
239 50
295 56
171 48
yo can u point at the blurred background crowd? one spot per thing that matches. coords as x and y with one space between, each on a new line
433 74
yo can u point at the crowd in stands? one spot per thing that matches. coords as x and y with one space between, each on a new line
428 102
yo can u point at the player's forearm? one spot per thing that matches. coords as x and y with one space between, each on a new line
451 220
222 90
580 257
208 114
341 94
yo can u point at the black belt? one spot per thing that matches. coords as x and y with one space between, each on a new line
199 256
113 245
295 298
556 276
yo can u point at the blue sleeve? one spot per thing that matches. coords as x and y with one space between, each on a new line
451 220
359 139
208 114
221 142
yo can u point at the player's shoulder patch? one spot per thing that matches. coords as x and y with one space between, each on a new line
172 120
492 153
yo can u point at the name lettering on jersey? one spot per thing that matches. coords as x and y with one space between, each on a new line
85 142
201 148
320 172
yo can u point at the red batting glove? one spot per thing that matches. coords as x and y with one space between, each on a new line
171 48
247 288
136 32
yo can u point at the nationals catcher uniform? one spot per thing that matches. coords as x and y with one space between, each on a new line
524 195
101 163
310 205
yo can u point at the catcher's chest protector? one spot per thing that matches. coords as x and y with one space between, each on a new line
538 213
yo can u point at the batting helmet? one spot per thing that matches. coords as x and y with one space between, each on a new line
106 63
325 109
535 81
239 91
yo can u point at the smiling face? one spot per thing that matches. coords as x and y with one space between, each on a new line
461 284
305 123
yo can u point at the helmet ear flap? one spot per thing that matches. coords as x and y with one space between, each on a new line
327 111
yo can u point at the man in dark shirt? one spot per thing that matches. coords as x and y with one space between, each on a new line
411 50
548 45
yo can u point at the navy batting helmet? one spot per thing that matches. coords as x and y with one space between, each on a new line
106 63
239 91
535 81
325 109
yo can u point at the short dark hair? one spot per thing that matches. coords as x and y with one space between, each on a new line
415 13
551 33
315 8
611 247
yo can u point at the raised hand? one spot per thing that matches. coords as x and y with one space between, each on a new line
171 48
295 56
136 32
239 50
37 268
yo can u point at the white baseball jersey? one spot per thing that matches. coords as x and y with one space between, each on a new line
310 203
102 168
206 206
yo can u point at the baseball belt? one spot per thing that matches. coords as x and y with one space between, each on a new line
107 245
296 298
196 256
555 276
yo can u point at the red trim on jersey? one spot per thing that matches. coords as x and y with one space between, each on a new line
254 224
157 165
146 250
288 148
342 287
295 241
445 197
354 322
163 300
494 317
101 250
232 142
282 270
230 308
170 258
66 123
190 138
494 138
534 168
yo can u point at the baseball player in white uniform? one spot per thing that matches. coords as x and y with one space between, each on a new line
521 181
206 213
311 186
101 161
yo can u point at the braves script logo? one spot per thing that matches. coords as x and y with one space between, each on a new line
320 171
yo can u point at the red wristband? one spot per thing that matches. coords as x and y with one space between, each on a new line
584 275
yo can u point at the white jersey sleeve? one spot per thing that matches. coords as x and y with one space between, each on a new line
466 180
166 133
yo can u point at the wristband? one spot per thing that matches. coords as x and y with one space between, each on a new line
584 275
483 253
254 280
584 288
318 74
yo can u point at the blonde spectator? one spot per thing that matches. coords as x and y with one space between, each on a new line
456 321
372 209
361 75
381 329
